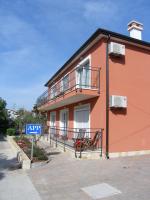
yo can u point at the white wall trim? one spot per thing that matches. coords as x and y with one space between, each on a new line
81 107
82 62
85 60
53 113
128 153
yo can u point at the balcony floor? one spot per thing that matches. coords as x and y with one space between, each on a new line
69 98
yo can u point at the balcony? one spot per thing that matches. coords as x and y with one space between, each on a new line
80 84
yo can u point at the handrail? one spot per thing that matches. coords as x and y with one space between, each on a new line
75 130
79 78
58 137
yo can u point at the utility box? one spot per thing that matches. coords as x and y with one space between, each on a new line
116 49
118 101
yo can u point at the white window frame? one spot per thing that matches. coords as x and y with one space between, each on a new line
53 94
80 64
52 113
62 86
60 119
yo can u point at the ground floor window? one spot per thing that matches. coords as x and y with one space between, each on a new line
52 123
82 119
64 116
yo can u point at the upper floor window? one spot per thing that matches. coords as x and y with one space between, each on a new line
53 91
65 83
83 74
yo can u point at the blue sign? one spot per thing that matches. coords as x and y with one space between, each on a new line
33 129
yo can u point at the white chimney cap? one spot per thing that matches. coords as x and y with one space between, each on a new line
135 29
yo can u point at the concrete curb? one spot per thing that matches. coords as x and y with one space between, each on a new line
21 156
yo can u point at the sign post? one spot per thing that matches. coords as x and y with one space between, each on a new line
32 149
33 129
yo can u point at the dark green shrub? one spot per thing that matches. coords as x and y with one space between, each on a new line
10 131
38 153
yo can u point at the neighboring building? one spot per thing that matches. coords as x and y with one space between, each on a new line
12 113
105 84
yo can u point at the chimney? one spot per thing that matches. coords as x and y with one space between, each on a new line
135 29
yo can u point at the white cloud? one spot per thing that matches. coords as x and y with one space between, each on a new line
102 11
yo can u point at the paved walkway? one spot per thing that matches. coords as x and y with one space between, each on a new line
64 177
14 183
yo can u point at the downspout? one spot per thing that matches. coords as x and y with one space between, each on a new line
107 97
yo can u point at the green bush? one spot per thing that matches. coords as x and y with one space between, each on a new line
10 131
38 153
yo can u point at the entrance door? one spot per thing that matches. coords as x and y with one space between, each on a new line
52 123
82 122
63 121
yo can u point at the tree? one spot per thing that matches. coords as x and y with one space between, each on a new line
4 121
19 121
40 117
26 117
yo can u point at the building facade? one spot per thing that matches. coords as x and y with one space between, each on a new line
105 84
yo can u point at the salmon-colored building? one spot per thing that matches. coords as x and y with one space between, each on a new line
105 84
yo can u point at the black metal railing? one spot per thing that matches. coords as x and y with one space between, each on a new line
78 139
79 78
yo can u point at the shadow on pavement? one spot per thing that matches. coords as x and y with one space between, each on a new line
53 153
7 164
2 137
2 175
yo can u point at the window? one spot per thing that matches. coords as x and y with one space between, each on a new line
53 91
64 114
52 123
65 83
83 75
82 119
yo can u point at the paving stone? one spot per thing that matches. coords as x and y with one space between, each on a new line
102 190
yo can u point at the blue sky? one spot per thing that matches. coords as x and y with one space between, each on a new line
38 36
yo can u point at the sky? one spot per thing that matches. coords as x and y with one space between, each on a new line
38 36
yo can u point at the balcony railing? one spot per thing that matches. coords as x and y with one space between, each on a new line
79 78
81 140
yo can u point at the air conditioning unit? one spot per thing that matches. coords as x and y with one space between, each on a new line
116 49
118 101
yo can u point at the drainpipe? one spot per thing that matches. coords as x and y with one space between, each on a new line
107 98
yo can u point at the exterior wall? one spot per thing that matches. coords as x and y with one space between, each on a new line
71 109
130 128
129 76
